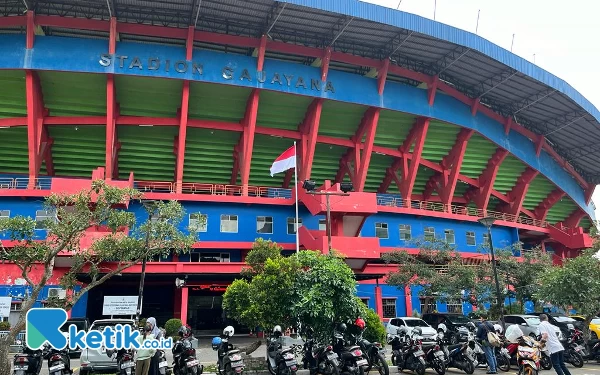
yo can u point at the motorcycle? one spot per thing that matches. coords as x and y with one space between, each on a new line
412 356
528 356
280 359
125 362
574 352
163 364
184 358
229 359
58 362
373 352
458 356
319 359
29 362
352 360
435 357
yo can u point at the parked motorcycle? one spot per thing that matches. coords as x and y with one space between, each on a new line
163 364
435 357
574 351
125 362
352 360
59 362
184 355
28 362
280 359
397 342
412 356
372 351
545 360
229 359
528 356
318 358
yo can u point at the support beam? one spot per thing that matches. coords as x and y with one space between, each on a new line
30 30
325 64
260 58
539 144
573 220
588 193
481 195
111 109
183 116
541 211
236 161
517 195
382 75
432 89
249 126
445 182
408 168
38 142
309 130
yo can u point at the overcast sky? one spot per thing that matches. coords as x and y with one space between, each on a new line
563 35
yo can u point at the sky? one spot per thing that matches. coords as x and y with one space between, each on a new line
559 36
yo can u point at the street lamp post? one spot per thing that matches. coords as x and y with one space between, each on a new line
149 206
488 222
310 186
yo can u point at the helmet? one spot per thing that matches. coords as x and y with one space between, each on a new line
360 323
228 331
184 331
277 331
216 343
341 327
442 327
402 331
417 331
498 328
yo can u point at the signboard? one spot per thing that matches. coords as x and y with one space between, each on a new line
119 305
5 306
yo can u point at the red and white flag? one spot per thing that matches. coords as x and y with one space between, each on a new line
285 161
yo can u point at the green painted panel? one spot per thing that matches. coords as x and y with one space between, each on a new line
340 119
585 223
479 151
461 188
153 97
209 156
376 173
13 101
538 190
508 173
392 128
77 152
218 102
13 153
282 111
266 150
561 210
326 162
439 141
74 94
423 175
147 152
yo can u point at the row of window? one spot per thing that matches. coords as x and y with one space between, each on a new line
229 224
382 231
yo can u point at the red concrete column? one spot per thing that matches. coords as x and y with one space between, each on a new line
408 300
177 304
184 304
378 302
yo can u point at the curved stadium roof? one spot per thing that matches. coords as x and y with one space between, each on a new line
509 85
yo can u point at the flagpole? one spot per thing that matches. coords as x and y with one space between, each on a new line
296 193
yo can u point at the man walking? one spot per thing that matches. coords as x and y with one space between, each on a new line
482 335
555 348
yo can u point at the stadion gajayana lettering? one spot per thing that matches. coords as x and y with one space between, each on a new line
227 72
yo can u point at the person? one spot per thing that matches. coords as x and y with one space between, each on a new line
554 346
142 364
482 335
157 333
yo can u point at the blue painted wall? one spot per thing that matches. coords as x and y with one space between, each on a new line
387 291
78 311
83 55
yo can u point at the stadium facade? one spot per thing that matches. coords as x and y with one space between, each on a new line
193 100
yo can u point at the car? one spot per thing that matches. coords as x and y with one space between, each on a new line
96 360
427 332
456 324
527 323
82 324
560 321
594 325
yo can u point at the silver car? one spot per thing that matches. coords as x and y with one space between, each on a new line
96 360
527 323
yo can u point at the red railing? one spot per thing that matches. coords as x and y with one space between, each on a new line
212 189
42 183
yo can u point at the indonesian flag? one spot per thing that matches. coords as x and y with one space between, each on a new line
285 161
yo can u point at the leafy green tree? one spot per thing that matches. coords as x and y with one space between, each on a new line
576 284
125 243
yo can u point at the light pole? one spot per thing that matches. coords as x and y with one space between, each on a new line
488 222
310 186
150 207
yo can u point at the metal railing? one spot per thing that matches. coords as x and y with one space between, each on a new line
41 183
212 189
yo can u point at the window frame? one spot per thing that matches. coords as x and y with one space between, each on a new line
432 234
450 232
381 227
383 307
201 229
295 225
405 226
4 214
266 221
40 218
228 218
471 234
324 223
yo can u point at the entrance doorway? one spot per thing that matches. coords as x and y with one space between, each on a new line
205 310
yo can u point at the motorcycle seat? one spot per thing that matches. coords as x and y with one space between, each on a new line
285 350
353 347
452 347
234 351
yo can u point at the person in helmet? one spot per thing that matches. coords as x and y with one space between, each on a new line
417 331
228 332
277 331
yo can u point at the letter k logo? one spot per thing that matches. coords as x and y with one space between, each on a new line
43 325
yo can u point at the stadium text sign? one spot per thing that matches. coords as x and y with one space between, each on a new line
227 72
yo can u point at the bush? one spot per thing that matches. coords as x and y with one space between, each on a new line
375 330
4 326
142 323
172 326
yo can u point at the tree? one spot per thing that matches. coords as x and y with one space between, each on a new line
308 288
575 284
124 243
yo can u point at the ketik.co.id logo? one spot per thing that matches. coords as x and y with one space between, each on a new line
44 326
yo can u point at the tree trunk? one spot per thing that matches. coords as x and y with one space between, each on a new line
5 362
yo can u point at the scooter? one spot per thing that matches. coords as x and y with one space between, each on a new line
59 362
280 359
229 359
163 364
125 362
29 362
184 358
528 356
373 352
459 356
319 358
412 356
435 357
352 360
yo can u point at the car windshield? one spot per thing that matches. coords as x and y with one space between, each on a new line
416 323
533 321
458 319
564 319
79 324
596 321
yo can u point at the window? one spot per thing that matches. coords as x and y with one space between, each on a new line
471 239
322 224
4 214
405 233
292 226
389 307
15 306
210 257
455 306
365 301
229 223
429 233
42 216
428 305
264 224
449 234
199 222
381 230
486 240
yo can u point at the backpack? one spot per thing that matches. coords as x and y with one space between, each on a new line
492 336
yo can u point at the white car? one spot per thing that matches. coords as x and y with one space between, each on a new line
428 333
96 360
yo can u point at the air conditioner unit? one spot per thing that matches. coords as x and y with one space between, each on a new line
57 293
